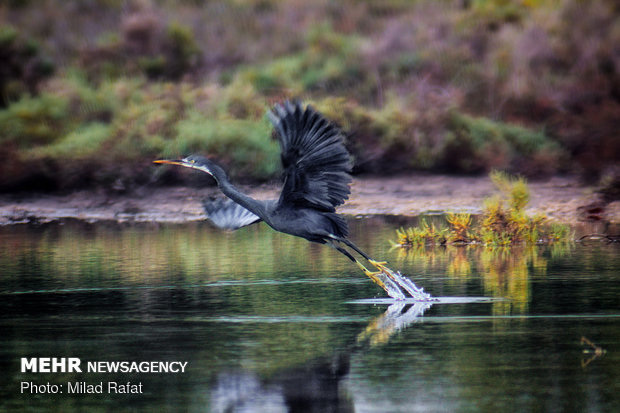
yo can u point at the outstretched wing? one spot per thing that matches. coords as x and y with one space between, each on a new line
227 214
315 161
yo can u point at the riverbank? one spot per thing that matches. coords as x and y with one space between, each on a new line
560 198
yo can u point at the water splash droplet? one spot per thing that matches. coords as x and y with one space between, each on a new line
398 281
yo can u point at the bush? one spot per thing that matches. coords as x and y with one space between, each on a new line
148 46
427 133
404 134
178 56
83 143
428 85
23 66
330 61
479 144
35 121
245 147
503 222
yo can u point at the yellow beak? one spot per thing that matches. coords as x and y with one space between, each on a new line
165 161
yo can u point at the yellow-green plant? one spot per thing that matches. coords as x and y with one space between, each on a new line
514 189
503 221
424 234
460 228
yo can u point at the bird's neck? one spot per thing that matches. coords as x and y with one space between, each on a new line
249 203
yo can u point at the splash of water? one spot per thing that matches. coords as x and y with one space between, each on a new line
391 288
398 281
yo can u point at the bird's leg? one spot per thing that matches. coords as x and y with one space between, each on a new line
354 247
372 275
384 278
390 281
380 265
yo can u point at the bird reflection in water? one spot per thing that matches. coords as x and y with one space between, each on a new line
396 318
315 386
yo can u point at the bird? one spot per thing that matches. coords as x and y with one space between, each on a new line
316 179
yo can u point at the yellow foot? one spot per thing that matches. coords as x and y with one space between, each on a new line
372 276
383 269
380 265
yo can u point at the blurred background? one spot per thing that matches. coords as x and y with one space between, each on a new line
92 91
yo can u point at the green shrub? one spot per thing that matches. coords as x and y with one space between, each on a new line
35 121
180 51
495 12
403 134
514 190
82 143
407 134
398 77
23 66
503 222
244 146
147 46
330 61
475 144
240 100
87 102
423 234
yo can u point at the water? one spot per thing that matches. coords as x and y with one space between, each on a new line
267 322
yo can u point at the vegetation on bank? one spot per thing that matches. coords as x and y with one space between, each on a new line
444 86
503 222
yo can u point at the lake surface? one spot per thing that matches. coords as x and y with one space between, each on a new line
267 322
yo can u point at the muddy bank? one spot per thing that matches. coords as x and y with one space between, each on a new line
560 198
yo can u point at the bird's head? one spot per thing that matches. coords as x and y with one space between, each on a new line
196 162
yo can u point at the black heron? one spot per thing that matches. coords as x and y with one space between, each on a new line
316 179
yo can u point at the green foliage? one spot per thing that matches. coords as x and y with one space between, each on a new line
153 66
8 36
146 45
496 12
76 134
410 134
403 134
424 234
460 228
422 85
502 223
23 66
505 222
278 75
82 143
243 145
328 62
35 121
477 144
241 100
180 52
515 190
393 123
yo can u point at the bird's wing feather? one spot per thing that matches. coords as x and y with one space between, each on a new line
315 161
227 214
